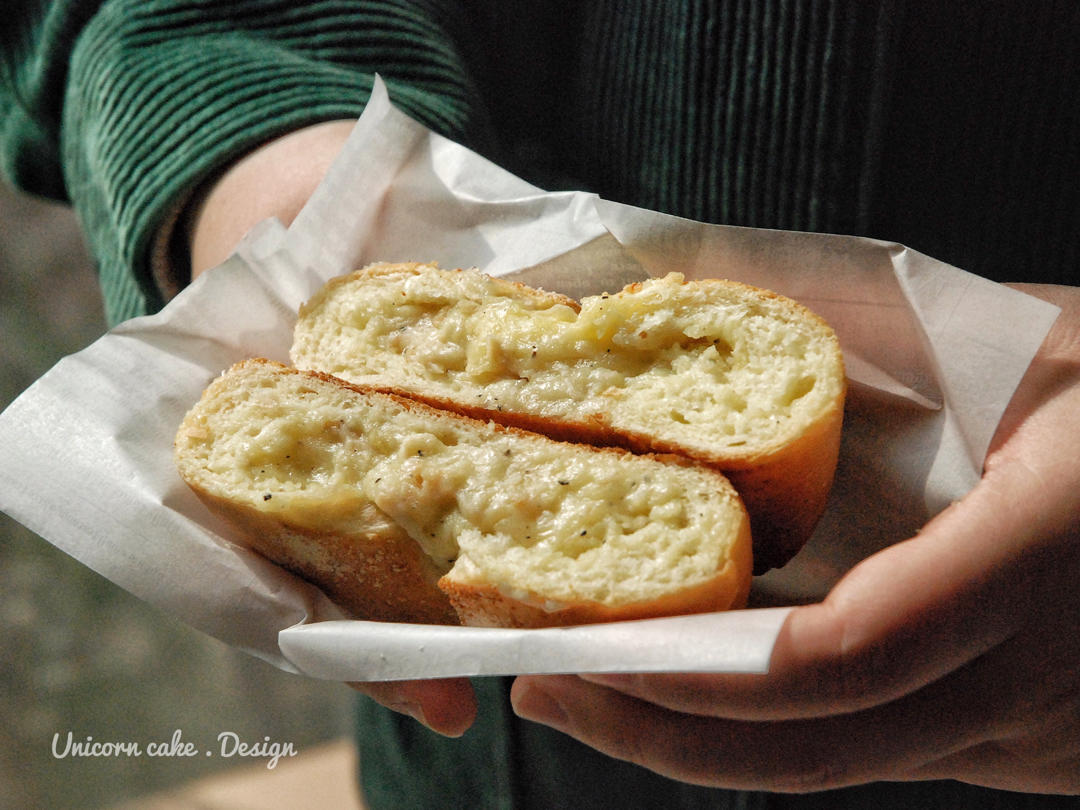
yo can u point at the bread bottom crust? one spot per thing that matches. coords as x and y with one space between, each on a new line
378 575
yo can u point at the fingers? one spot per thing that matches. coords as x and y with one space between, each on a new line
996 765
919 665
901 740
446 706
901 620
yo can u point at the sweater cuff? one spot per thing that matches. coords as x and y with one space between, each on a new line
149 117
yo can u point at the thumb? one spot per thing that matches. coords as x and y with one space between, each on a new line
899 620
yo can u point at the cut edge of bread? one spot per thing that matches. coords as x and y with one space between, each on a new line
785 482
488 605
375 568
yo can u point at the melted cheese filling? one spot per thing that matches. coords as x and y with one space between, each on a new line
517 511
664 359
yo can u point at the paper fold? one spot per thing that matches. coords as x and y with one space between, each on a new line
383 652
934 354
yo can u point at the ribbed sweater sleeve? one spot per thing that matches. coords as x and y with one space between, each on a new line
124 111
952 131
35 41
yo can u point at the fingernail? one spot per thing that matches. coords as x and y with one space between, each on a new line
537 705
412 709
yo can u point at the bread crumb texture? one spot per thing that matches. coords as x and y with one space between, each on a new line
547 523
717 369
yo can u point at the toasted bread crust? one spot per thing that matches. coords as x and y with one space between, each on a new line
378 575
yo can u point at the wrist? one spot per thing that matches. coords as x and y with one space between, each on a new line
274 180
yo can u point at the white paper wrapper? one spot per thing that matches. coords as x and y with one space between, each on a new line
933 353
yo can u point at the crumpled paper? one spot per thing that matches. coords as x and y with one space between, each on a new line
933 355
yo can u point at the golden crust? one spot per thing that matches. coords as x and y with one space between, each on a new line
379 575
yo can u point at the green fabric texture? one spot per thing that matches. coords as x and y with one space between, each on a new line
504 763
159 94
403 765
877 118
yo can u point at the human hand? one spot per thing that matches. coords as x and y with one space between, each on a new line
274 180
446 706
952 655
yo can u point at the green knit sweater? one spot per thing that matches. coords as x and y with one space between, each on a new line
951 129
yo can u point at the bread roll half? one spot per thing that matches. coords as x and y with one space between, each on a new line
403 512
738 378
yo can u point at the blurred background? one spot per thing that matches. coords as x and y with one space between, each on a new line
79 655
